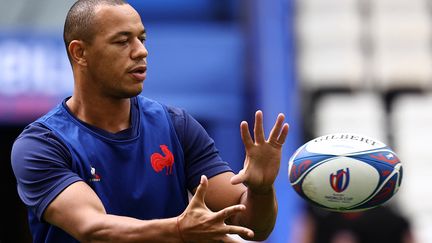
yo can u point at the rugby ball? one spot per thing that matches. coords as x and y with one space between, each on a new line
345 172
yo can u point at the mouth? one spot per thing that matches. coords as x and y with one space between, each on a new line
138 72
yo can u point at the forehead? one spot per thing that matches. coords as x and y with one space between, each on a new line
113 19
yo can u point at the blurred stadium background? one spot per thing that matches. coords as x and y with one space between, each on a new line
361 66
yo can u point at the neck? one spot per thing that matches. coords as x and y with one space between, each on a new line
109 114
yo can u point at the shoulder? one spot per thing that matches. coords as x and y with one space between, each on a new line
184 122
176 114
42 165
36 131
37 141
178 118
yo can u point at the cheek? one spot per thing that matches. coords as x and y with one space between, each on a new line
108 64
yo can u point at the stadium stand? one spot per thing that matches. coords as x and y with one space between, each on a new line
366 67
329 47
362 113
400 35
411 120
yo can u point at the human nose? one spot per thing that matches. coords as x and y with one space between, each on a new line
139 51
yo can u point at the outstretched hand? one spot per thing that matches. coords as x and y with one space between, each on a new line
262 162
199 224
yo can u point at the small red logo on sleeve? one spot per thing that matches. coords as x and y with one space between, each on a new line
95 176
159 161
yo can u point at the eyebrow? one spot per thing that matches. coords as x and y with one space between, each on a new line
127 33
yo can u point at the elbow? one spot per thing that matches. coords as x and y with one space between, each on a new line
263 231
261 235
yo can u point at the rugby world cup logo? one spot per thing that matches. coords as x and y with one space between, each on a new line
339 181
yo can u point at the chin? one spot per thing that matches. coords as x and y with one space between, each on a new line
127 91
133 93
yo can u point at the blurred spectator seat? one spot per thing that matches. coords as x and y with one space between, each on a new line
328 29
394 30
361 113
400 41
329 45
400 36
327 5
402 69
411 120
329 69
398 6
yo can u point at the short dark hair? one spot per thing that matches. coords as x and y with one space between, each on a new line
79 20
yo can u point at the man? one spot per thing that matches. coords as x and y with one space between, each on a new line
108 165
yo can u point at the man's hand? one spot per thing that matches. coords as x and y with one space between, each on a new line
262 162
199 224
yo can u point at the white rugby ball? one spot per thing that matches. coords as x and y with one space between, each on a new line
345 172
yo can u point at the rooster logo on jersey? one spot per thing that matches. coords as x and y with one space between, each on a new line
159 161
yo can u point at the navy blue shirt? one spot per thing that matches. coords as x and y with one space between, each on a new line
142 172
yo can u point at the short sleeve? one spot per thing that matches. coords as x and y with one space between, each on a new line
41 163
201 154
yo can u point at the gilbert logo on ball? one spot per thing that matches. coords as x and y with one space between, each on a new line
345 172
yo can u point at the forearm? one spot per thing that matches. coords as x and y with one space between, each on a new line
260 214
111 228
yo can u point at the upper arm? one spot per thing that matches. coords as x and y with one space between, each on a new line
221 193
202 158
42 167
200 153
46 183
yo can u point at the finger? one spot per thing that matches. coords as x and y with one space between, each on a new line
258 128
239 230
202 188
284 134
274 133
229 211
227 239
245 135
239 178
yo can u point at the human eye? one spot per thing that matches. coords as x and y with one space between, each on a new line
121 41
142 38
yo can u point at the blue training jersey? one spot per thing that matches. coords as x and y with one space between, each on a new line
142 172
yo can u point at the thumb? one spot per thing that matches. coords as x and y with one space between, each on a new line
239 178
202 189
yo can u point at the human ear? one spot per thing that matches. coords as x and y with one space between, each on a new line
77 52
